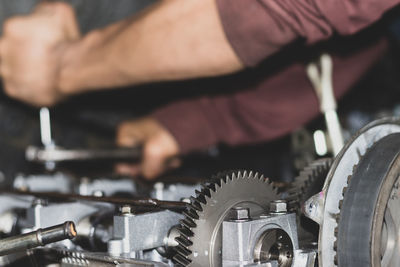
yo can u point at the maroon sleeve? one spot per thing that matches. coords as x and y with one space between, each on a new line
258 28
276 106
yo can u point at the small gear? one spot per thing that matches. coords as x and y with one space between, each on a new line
309 182
200 232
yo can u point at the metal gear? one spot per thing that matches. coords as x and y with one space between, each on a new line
336 182
308 183
372 194
200 231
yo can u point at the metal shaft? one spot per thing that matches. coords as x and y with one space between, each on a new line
138 204
37 238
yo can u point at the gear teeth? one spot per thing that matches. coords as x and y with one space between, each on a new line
191 213
212 187
187 233
184 242
206 192
188 222
196 204
234 176
181 261
200 197
183 251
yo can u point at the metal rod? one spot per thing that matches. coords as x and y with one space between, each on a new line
57 154
143 204
45 127
37 238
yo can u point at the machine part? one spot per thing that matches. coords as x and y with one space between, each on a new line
95 231
305 258
41 215
278 207
373 195
239 214
274 245
40 237
173 192
135 233
57 182
324 206
57 154
108 187
200 242
45 135
323 85
45 128
78 258
309 182
139 205
264 239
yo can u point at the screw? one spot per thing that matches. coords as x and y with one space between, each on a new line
278 207
239 214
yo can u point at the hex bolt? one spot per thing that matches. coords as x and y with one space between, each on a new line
239 214
126 210
278 207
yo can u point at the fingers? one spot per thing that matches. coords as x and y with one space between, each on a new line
128 169
159 148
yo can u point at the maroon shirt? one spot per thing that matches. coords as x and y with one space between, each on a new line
282 102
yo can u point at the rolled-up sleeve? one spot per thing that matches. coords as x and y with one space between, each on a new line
258 28
275 107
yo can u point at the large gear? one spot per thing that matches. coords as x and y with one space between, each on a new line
337 179
200 231
371 194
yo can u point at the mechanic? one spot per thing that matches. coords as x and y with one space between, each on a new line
44 60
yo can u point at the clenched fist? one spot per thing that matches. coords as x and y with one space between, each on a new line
159 147
32 49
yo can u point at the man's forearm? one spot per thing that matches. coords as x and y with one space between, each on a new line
174 39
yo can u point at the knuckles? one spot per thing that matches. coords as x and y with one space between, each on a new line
14 26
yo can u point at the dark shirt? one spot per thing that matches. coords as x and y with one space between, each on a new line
282 102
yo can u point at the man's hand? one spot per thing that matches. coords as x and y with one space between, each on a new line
159 147
31 51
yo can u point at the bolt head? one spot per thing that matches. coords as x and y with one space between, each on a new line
126 209
239 214
39 202
278 206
